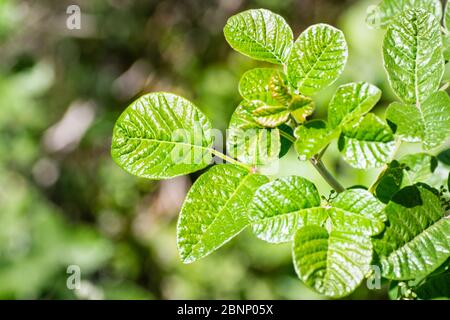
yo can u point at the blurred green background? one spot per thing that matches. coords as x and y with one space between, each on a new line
62 199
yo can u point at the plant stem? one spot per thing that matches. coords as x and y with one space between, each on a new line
329 178
229 159
287 136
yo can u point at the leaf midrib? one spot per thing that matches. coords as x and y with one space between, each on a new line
262 45
300 84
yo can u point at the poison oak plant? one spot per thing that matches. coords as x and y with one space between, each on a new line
399 223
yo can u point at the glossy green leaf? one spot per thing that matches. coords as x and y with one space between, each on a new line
271 116
333 263
260 34
318 58
312 138
428 122
413 59
358 211
419 167
417 238
215 210
255 84
387 11
280 89
301 107
278 208
161 136
352 101
248 141
368 143
334 259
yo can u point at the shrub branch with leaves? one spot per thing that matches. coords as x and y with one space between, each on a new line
399 223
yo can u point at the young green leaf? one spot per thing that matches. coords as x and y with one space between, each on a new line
280 89
333 263
417 238
215 210
368 143
161 136
260 34
413 59
280 207
312 137
428 122
250 142
317 59
387 11
301 107
351 101
271 116
255 84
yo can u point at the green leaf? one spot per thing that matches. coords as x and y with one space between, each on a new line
279 87
333 263
446 46
301 107
387 11
413 59
286 143
389 181
444 157
435 287
419 167
271 116
428 122
368 143
417 238
358 211
447 16
161 136
278 209
351 101
215 210
408 170
317 59
260 34
248 141
255 84
312 138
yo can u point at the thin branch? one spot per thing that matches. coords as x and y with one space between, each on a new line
328 177
287 136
